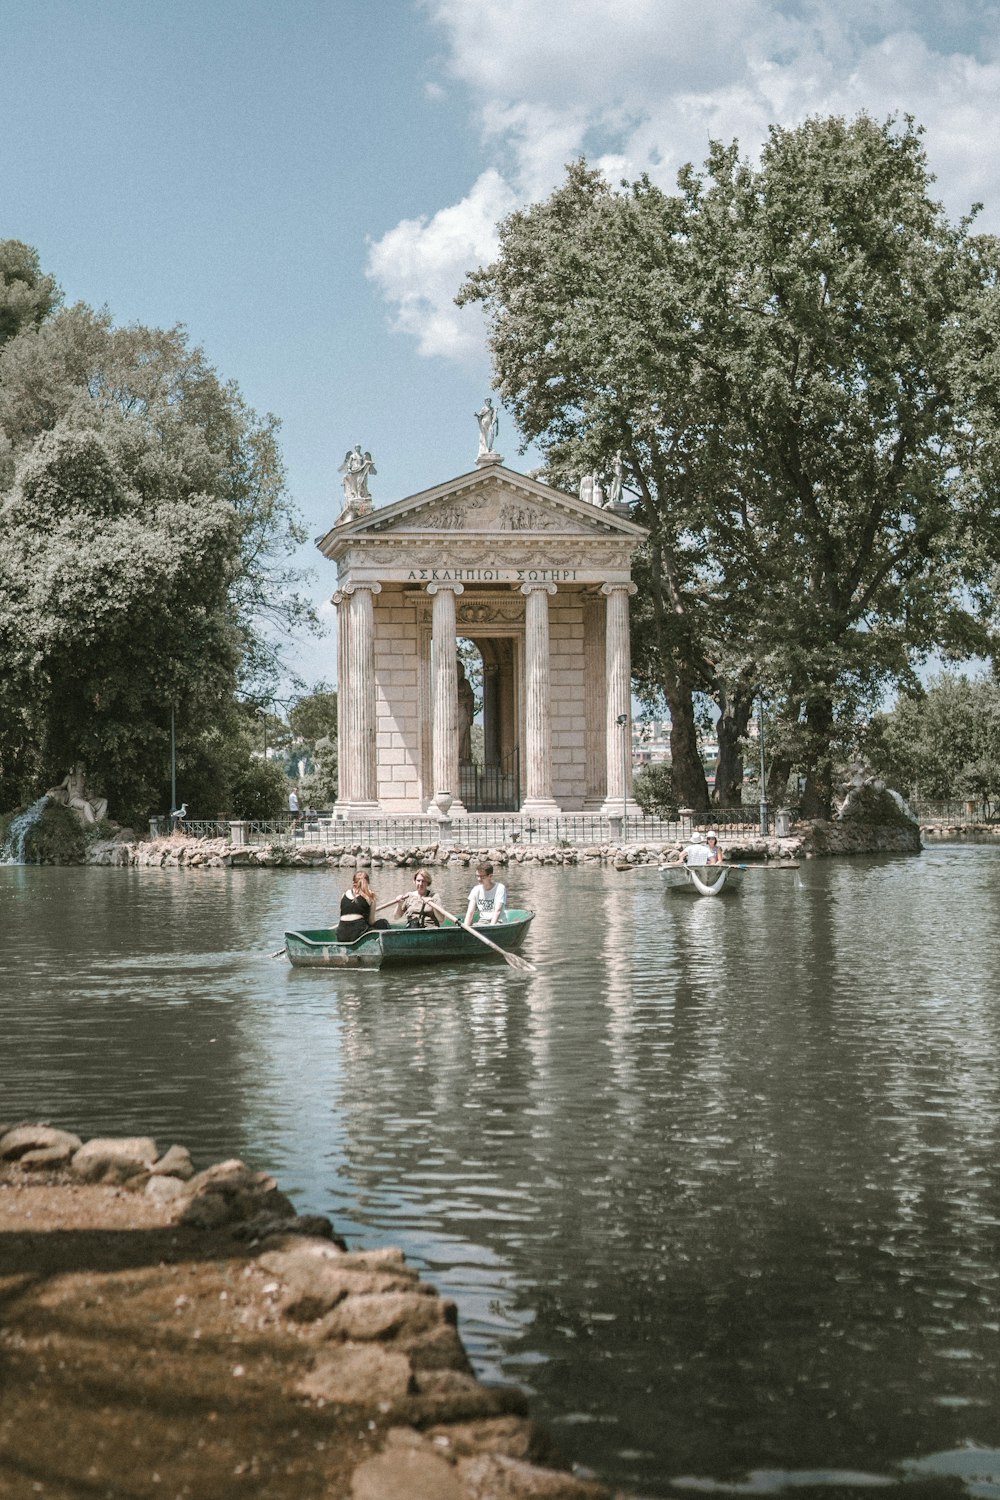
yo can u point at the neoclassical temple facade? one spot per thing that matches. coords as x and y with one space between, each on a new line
540 582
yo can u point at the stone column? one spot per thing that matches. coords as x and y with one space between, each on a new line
342 602
537 721
358 783
595 703
444 692
618 672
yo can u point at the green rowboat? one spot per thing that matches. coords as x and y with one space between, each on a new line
318 948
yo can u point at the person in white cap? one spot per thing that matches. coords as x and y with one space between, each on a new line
715 856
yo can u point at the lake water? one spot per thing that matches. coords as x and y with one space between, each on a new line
718 1186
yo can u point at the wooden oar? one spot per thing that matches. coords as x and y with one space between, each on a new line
513 959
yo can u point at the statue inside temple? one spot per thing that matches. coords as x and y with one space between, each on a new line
466 713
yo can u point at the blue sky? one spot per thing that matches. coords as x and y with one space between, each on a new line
304 184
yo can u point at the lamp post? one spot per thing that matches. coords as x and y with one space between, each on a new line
622 722
764 810
173 760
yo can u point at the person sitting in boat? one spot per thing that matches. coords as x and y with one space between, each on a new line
415 905
715 855
487 900
694 853
356 908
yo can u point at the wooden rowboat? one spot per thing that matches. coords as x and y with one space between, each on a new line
318 948
707 880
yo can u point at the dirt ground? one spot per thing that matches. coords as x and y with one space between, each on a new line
139 1359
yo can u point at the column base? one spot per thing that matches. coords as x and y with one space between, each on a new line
357 809
615 807
540 807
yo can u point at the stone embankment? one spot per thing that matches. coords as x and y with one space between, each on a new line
806 841
177 1333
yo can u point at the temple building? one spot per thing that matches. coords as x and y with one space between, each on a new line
539 581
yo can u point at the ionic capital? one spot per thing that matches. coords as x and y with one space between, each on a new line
362 583
619 588
443 588
538 588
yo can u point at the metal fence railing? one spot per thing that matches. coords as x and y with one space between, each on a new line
957 811
475 831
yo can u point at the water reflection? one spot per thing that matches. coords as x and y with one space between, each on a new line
717 1183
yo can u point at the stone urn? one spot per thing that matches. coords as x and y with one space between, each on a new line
443 801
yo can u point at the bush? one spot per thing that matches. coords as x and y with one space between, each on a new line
653 790
58 838
260 791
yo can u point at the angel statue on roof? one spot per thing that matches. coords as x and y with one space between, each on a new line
356 468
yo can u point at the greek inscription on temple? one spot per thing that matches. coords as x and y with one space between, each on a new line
492 575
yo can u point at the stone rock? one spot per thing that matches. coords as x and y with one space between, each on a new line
47 1157
449 1396
497 1477
359 1375
17 1140
516 1437
165 1189
387 1315
282 1250
174 1163
230 1193
438 1348
402 1472
315 1290
115 1159
270 1227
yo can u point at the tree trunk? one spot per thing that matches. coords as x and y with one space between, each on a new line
690 786
777 779
734 717
817 798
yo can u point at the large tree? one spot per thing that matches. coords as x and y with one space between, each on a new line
943 741
144 536
778 353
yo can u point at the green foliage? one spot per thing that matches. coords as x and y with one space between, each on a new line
27 296
144 524
942 743
314 716
782 355
313 722
260 790
653 790
58 838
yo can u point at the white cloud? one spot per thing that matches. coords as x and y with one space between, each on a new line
420 264
643 84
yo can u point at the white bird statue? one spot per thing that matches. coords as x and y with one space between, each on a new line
179 813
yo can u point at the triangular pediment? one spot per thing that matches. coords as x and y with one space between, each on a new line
488 502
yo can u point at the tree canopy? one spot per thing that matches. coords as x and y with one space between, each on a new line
942 742
793 359
145 531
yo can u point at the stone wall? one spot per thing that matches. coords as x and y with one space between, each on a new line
807 841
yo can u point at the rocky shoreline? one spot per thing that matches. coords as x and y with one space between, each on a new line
807 841
182 1333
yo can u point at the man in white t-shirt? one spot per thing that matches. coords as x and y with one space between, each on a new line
696 853
488 899
293 807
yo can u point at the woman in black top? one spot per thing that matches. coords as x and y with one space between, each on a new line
356 908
